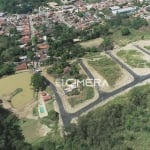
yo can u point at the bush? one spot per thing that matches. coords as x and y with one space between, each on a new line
125 32
107 44
17 91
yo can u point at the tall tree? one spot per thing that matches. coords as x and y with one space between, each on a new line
38 82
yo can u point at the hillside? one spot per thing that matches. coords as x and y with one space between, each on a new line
123 124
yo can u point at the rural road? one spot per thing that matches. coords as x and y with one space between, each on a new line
142 49
103 96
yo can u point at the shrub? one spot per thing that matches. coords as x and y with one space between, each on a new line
125 32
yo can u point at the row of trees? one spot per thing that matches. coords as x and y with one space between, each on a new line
127 21
9 52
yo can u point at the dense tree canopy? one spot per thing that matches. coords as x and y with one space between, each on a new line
38 82
11 137
20 6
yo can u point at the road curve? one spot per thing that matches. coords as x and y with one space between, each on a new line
67 117
142 49
123 65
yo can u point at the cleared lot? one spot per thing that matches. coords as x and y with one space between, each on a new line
86 94
92 43
107 68
18 81
133 58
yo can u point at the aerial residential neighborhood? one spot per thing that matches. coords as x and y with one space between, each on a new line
74 74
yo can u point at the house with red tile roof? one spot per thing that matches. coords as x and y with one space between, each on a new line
22 66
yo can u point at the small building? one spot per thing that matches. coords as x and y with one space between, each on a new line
2 14
22 66
52 4
45 96
113 8
67 1
42 46
23 58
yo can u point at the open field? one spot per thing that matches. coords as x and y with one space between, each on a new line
31 129
107 68
92 55
147 47
133 58
13 82
134 36
92 43
86 94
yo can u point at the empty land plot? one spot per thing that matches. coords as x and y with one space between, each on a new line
133 58
86 94
11 83
134 36
107 68
31 129
92 43
147 47
92 55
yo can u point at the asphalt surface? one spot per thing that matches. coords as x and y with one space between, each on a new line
142 49
103 96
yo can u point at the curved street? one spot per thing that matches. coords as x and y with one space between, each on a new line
103 96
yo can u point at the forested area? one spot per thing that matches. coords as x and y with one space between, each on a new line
11 137
122 124
20 6
9 53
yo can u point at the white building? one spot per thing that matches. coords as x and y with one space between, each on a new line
128 10
67 1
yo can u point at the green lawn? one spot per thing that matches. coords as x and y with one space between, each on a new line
134 36
18 81
86 94
107 68
30 129
133 58
147 47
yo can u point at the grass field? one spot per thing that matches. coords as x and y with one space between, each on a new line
133 58
107 68
91 55
135 35
11 83
147 47
92 43
86 94
30 129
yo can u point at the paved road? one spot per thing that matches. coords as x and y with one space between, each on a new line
142 49
32 29
123 65
67 117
